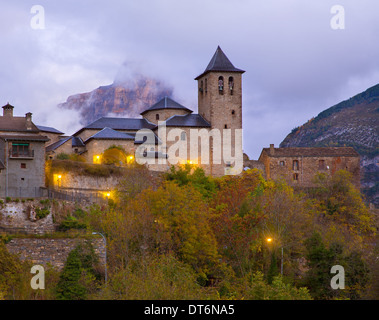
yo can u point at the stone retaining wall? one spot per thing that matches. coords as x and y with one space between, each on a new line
51 251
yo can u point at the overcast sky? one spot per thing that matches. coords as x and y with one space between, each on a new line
297 64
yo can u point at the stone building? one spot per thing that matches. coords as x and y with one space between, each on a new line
298 166
211 139
22 155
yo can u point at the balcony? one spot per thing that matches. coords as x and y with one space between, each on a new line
24 154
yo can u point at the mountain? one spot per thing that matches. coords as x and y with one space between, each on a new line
355 123
126 98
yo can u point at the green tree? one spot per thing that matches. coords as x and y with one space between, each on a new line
78 276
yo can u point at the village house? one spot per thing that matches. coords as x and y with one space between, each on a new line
22 155
298 166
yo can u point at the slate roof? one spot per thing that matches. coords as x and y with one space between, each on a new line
48 129
110 134
166 103
312 152
77 142
118 124
156 139
220 62
34 138
188 120
57 144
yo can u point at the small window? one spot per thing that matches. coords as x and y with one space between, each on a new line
233 112
157 116
295 165
76 150
226 126
231 85
282 163
22 179
183 136
201 86
321 165
206 85
221 85
23 165
295 177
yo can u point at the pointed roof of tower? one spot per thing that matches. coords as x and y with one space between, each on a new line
220 62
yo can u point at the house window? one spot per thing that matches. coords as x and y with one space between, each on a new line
206 85
183 136
295 165
282 163
295 177
201 86
23 165
226 126
21 150
321 165
157 116
233 112
231 85
221 85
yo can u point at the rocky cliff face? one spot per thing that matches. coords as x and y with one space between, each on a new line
122 98
355 123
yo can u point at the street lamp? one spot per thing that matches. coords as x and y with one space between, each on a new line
105 240
269 240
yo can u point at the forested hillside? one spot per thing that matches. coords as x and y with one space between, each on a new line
188 236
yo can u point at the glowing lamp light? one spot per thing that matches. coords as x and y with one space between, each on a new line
59 176
108 194
269 240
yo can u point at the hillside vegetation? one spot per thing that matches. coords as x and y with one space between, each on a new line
188 236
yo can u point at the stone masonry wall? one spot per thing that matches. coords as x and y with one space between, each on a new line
51 251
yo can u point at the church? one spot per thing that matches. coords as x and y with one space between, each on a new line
169 133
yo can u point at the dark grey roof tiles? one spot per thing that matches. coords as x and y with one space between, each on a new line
110 134
220 62
312 152
166 103
77 142
57 144
189 120
34 138
119 124
48 129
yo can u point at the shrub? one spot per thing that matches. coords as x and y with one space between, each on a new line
71 223
63 156
77 157
42 213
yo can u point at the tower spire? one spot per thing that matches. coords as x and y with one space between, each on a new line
220 62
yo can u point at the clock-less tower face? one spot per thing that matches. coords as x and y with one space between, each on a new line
220 100
220 93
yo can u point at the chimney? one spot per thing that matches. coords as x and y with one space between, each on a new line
28 117
272 149
8 110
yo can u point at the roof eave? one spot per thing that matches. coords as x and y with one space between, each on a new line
208 71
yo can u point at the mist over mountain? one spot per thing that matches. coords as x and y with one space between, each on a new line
129 94
353 122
